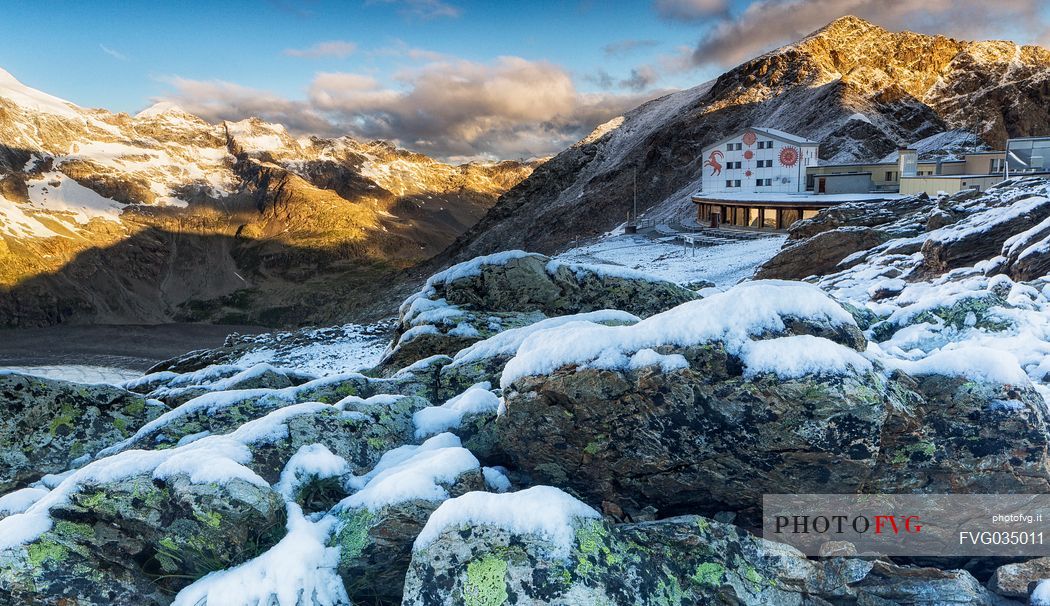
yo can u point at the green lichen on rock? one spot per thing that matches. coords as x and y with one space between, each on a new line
709 573
485 584
49 424
44 551
352 536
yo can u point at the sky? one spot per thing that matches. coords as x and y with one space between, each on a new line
456 79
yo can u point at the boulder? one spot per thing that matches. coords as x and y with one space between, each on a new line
888 584
136 539
1015 580
760 389
223 412
702 438
183 388
1028 253
982 235
47 424
476 299
820 254
560 552
376 541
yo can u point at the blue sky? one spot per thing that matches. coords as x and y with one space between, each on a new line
540 73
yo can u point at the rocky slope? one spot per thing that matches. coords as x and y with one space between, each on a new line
110 218
859 89
541 432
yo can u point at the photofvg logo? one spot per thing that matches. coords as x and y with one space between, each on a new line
910 525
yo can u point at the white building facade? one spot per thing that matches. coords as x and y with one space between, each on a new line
758 160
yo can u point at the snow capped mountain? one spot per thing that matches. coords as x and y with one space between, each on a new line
107 217
859 89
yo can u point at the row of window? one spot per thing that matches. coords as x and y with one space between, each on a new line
739 146
758 182
763 218
758 164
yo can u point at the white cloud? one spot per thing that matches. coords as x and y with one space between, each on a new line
506 108
339 49
766 24
112 53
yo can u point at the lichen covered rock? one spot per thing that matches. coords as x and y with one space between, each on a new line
49 424
476 299
152 536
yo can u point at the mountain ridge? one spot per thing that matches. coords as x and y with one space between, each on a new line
896 88
265 210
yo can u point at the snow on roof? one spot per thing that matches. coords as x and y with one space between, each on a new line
540 510
800 199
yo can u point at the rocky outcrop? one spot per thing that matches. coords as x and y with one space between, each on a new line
1018 580
819 254
696 424
48 425
983 236
154 538
576 559
476 299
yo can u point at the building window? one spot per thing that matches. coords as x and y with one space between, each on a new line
764 182
769 218
729 183
736 183
889 175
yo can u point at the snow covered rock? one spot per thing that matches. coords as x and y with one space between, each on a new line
541 546
479 298
153 536
484 361
819 254
377 524
982 235
185 387
48 424
221 412
760 389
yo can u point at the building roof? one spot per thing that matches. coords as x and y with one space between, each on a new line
769 132
1040 138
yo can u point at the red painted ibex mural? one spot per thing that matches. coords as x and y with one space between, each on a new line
712 161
